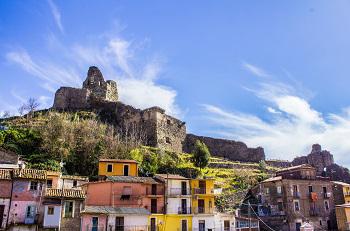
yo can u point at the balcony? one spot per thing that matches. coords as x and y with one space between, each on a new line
158 192
156 210
327 195
199 191
203 210
179 191
131 228
296 194
184 210
314 212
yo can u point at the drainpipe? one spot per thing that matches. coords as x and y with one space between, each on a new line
9 209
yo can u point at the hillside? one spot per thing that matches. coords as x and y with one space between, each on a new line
80 139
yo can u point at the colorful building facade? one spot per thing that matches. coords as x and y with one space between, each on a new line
116 167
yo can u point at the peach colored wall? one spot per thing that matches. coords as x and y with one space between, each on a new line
87 221
109 193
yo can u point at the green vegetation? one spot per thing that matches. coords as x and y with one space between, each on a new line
201 154
80 139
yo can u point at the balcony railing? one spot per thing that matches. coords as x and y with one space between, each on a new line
179 191
327 195
95 227
184 210
132 228
314 212
199 191
157 210
158 192
202 210
296 194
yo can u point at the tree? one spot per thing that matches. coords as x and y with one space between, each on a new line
6 114
21 110
31 105
200 154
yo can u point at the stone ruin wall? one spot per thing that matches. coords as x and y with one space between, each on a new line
71 98
228 149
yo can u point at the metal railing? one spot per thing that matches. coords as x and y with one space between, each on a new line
201 210
327 195
296 194
131 228
199 190
95 227
184 210
179 191
158 192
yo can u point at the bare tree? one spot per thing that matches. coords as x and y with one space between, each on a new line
6 114
21 110
31 105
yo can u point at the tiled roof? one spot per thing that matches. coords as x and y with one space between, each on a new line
296 167
115 210
67 193
118 161
5 174
341 183
170 177
273 179
30 174
71 177
132 179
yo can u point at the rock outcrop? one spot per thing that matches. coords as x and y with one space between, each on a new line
229 149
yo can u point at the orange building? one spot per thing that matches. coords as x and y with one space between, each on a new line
115 167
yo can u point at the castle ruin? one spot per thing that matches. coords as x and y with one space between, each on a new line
159 129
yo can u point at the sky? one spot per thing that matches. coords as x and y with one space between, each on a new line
269 73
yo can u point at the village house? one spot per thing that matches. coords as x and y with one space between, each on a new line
343 216
63 202
203 204
294 196
178 204
116 167
341 193
27 194
5 196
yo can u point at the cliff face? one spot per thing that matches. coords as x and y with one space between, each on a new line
323 161
229 149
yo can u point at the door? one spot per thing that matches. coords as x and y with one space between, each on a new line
153 224
119 224
184 206
153 205
2 209
201 225
226 225
94 224
200 206
297 226
184 225
202 187
126 170
183 188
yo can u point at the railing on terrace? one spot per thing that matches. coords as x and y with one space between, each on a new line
184 210
179 191
200 210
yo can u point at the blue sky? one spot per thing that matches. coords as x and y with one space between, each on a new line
270 73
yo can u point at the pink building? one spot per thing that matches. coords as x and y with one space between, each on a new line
5 196
27 194
119 197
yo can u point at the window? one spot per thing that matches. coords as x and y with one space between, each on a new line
126 170
109 167
51 210
168 121
33 185
167 140
296 206
30 211
68 208
280 206
326 205
320 222
267 190
49 183
279 189
75 183
310 189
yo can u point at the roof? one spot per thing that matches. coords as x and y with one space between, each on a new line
132 179
115 210
30 174
170 177
71 177
341 183
5 174
52 173
67 193
118 161
277 178
296 167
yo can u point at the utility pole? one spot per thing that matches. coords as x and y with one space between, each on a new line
250 221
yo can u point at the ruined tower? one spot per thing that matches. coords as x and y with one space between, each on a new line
95 88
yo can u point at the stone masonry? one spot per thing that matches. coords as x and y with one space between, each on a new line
153 125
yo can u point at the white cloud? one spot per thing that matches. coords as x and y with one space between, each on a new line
255 70
115 57
292 128
56 15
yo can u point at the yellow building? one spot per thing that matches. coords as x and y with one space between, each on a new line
343 217
170 222
115 167
341 192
